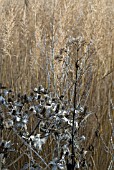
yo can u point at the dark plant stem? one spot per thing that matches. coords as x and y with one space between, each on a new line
75 87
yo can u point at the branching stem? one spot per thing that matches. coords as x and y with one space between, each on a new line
75 87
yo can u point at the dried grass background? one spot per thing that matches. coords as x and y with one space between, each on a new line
31 35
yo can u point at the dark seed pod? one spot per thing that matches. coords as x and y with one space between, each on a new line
83 163
70 166
13 112
91 147
39 97
61 97
57 108
10 91
10 100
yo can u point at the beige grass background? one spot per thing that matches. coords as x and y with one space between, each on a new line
32 32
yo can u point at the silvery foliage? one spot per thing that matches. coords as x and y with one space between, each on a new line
53 118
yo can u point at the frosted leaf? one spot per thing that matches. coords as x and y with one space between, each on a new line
38 142
60 166
9 123
7 144
77 164
82 138
41 89
72 109
76 124
32 137
5 92
67 120
17 118
48 110
2 100
54 167
35 89
54 163
25 119
18 104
